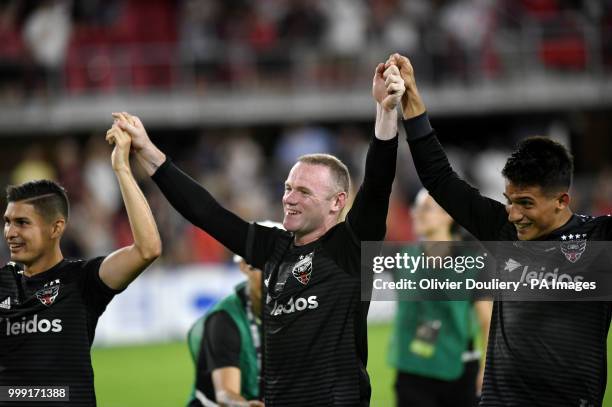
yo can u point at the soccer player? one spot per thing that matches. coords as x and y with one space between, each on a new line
226 345
432 344
315 333
539 353
50 305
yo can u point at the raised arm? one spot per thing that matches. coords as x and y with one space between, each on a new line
368 214
481 216
188 197
124 265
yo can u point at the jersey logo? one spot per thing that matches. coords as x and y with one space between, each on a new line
292 306
6 304
511 265
48 293
303 268
573 249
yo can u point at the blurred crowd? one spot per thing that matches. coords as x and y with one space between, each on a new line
136 45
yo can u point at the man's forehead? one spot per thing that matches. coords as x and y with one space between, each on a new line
20 209
309 173
515 191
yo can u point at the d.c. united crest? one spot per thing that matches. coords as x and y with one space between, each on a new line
303 268
573 249
48 293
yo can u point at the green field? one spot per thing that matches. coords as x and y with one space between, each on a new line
161 375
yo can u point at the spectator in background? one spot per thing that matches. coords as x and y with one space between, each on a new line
33 166
301 140
225 345
303 24
12 52
68 164
46 33
433 342
98 176
199 40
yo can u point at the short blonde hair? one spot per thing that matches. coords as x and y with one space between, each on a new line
338 169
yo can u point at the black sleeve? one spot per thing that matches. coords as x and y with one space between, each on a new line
260 244
220 343
368 215
96 294
481 216
608 227
196 204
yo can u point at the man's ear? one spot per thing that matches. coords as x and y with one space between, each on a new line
563 201
339 202
57 228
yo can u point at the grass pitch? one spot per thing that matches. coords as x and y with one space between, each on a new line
161 375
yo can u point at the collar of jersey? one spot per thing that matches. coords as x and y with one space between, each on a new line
572 223
45 275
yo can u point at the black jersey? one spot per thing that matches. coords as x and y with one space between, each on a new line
315 333
539 353
47 326
314 325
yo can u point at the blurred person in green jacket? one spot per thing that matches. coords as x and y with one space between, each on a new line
433 344
226 347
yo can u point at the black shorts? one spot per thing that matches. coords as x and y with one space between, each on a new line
419 391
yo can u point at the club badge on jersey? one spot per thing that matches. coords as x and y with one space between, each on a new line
49 292
573 248
302 270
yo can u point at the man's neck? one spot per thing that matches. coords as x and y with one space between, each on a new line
43 264
302 240
562 221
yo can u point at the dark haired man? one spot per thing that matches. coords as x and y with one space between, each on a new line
539 353
315 336
49 306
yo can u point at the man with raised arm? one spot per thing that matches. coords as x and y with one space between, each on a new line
315 334
539 353
50 305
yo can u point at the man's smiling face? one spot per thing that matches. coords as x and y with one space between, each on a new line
534 212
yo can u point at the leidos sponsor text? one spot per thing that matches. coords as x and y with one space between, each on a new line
292 306
31 326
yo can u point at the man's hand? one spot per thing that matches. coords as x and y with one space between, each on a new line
120 157
412 103
133 126
387 86
149 156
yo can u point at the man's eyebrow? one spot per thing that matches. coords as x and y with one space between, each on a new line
16 218
519 198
